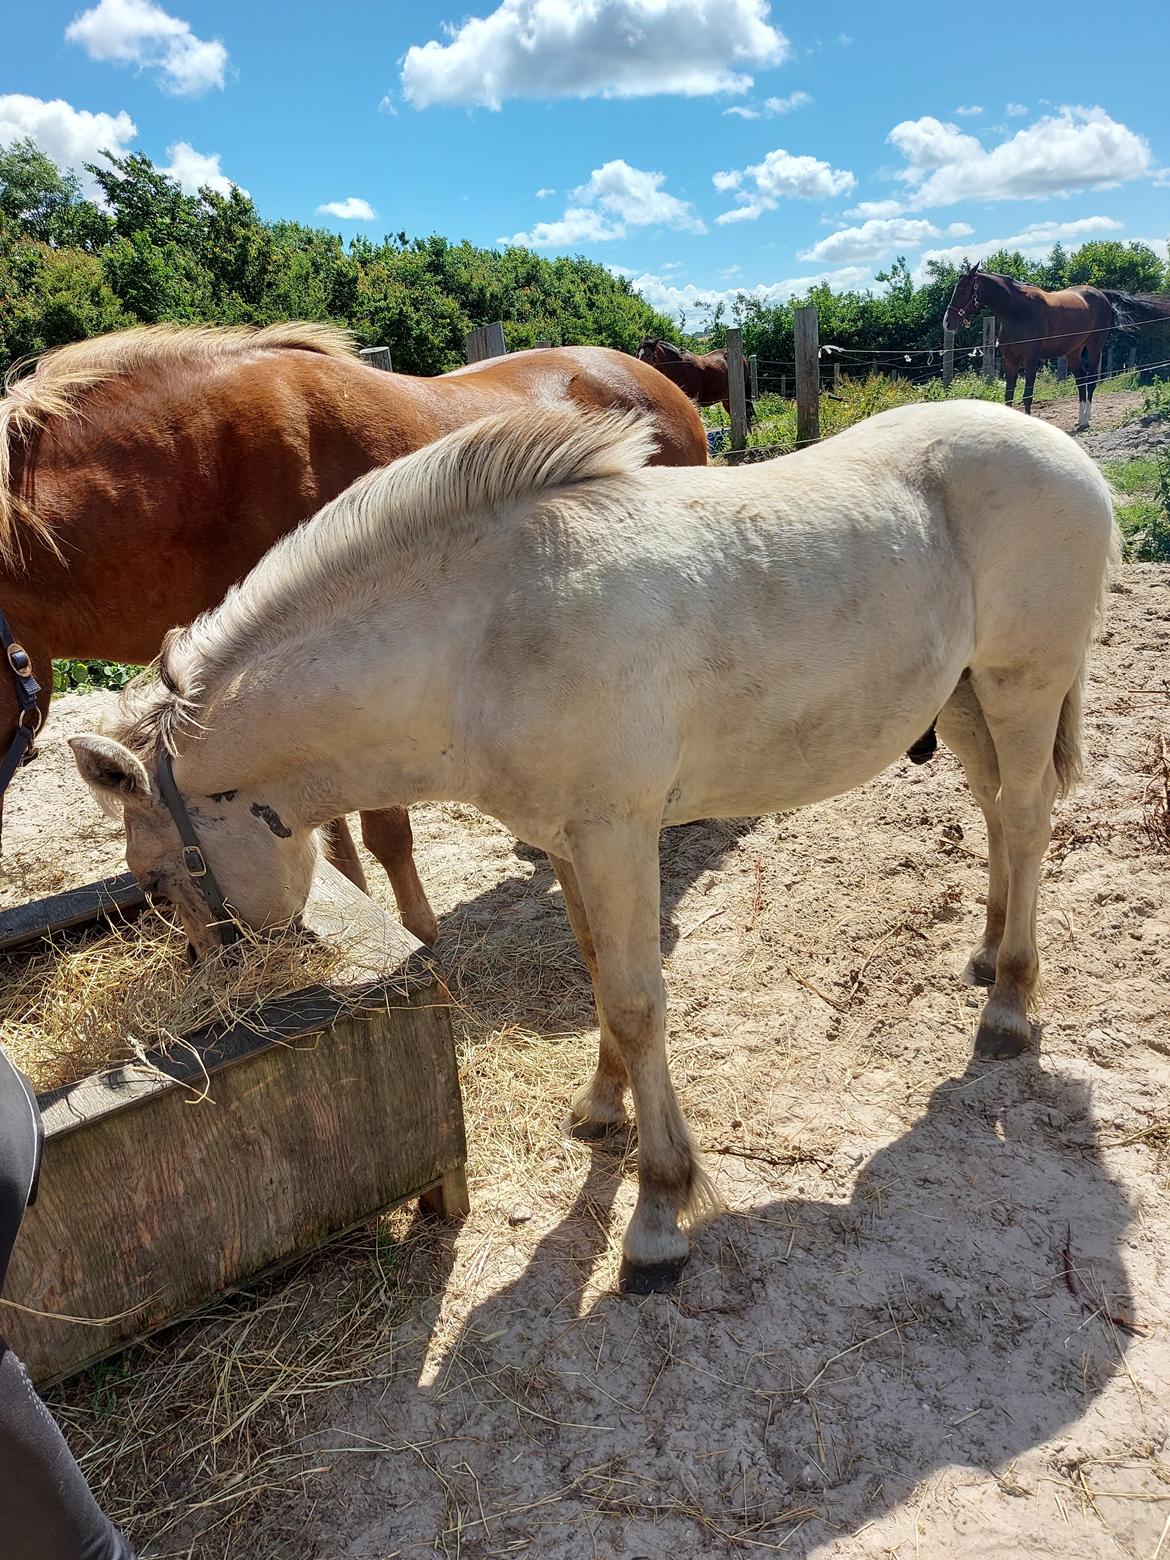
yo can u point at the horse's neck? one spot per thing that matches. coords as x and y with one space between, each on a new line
371 726
1001 295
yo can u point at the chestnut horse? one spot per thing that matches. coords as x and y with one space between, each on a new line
703 376
142 473
1034 325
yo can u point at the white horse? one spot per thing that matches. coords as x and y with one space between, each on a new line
525 617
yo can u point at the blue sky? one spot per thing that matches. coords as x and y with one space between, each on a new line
699 146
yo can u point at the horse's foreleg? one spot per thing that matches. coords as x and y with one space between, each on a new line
387 836
1093 355
617 869
598 1106
342 852
1030 368
1009 389
1077 364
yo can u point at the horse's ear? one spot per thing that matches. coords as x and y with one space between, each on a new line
112 772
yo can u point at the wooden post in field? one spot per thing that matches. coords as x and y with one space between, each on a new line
735 390
377 357
948 372
485 341
754 371
808 375
1132 363
783 387
989 347
836 375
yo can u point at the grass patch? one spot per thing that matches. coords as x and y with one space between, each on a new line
1143 512
88 676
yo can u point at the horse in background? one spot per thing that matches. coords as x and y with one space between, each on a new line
1034 325
143 473
703 376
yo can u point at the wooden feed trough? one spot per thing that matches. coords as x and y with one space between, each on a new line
163 1185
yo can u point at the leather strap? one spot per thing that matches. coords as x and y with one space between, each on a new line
194 860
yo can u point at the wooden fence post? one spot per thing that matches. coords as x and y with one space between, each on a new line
948 372
754 371
485 341
783 387
836 375
989 347
735 390
808 375
377 357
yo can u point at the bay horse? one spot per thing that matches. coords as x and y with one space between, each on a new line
701 375
1035 325
527 618
141 473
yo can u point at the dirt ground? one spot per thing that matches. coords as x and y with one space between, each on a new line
933 1320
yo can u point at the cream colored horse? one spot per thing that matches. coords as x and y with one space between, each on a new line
525 617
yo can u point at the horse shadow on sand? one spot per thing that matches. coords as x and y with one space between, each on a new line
958 1298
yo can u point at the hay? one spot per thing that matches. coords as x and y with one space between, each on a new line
115 993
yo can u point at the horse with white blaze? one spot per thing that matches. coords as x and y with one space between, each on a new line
526 617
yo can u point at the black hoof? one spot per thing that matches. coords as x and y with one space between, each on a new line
653 1278
594 1131
979 973
999 1045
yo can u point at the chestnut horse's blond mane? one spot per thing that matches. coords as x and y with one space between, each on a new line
59 379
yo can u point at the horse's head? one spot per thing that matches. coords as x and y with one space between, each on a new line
246 851
648 351
965 300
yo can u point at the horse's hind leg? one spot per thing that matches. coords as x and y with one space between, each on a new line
342 852
1081 373
964 730
1030 368
598 1106
387 835
1022 720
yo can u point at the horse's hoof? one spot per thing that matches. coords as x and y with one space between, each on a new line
590 1131
980 970
1001 1036
649 1278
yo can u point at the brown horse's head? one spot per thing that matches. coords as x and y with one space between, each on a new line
965 301
648 351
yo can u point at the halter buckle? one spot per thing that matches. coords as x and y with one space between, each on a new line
19 659
38 718
193 861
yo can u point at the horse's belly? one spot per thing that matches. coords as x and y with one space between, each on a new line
780 763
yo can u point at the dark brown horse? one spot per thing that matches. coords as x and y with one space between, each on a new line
702 376
1035 325
142 473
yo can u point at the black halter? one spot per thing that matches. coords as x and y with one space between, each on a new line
29 720
194 861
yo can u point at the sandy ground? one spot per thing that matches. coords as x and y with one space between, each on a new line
932 1322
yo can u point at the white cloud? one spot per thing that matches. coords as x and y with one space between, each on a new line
545 192
138 32
351 209
772 106
959 229
594 48
1034 241
1015 110
669 298
780 175
70 136
194 169
616 198
969 110
1073 149
386 105
875 208
844 40
873 240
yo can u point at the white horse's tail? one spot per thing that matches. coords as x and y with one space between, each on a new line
1067 754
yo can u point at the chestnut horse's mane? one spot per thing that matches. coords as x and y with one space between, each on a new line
60 378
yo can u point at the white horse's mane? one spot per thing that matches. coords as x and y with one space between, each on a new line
390 518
